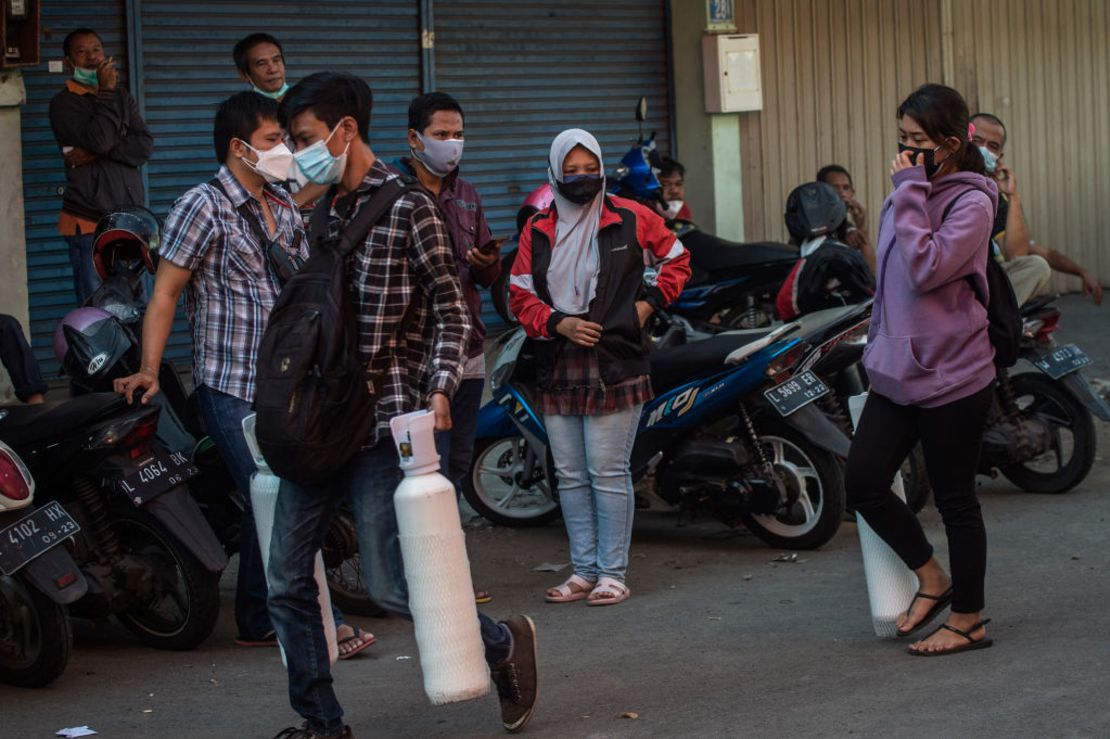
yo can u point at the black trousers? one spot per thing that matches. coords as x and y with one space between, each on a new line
950 436
18 360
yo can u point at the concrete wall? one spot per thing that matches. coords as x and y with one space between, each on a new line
13 249
707 145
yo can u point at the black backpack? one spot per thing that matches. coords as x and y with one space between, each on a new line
315 399
1003 313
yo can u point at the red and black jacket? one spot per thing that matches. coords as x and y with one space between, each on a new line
626 231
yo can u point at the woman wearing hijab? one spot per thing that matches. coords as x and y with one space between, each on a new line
577 287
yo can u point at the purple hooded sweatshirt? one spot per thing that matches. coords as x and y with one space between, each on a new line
928 343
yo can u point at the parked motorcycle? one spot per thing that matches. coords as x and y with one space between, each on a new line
38 578
731 286
98 344
1041 434
149 555
711 439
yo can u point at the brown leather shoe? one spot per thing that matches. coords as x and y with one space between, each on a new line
515 678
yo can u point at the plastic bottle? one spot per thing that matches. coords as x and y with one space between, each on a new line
264 496
441 595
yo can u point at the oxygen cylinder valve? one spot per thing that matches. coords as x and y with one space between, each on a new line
414 435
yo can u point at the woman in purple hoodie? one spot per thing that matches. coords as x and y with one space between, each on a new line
931 364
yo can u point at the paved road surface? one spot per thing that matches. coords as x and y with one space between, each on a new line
717 640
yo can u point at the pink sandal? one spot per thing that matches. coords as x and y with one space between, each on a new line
574 588
608 592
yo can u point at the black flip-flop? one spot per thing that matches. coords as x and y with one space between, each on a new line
941 603
971 642
357 636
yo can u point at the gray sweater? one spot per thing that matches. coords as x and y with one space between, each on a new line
105 123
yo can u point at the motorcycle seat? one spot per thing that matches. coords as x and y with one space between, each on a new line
675 365
819 321
22 425
711 254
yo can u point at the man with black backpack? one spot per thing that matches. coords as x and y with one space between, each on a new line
228 244
390 338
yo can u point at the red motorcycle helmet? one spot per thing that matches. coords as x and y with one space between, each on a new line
126 234
537 200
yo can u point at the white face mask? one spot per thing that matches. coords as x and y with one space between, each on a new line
273 164
673 206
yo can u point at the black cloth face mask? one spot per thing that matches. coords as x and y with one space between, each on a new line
927 158
580 188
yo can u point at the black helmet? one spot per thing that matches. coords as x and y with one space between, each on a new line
814 209
126 234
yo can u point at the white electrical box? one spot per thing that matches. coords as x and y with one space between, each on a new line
733 81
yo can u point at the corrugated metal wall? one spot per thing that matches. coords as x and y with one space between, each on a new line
186 69
1043 67
524 70
834 72
49 276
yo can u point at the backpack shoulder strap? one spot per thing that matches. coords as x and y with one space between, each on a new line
318 221
244 212
355 232
970 278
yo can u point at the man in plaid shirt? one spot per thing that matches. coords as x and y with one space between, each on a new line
406 260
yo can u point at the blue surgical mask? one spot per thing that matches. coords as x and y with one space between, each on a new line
276 95
86 76
989 159
317 164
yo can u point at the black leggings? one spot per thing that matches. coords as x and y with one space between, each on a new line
950 436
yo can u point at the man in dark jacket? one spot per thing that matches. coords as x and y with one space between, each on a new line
104 141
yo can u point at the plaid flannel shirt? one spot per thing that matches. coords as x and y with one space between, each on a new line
232 291
407 258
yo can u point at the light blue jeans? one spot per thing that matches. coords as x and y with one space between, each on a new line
592 456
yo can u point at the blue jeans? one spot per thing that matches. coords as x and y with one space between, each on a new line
456 447
85 278
223 416
301 521
592 456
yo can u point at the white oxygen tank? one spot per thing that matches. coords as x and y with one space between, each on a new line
441 595
890 584
264 497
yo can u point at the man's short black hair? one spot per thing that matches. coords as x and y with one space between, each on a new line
331 97
423 107
244 46
828 169
670 167
993 119
72 36
240 116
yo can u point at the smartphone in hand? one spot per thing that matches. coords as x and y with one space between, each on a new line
491 246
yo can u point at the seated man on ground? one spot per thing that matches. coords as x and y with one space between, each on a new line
1028 264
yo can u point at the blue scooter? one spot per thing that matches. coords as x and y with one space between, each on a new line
731 429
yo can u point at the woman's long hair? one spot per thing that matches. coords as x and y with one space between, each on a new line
942 112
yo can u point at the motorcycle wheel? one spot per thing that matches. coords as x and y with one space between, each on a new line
343 568
35 636
499 290
815 476
1073 431
185 602
493 486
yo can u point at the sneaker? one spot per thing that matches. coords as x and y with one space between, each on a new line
515 678
303 732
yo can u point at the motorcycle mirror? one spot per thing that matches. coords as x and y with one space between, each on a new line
641 109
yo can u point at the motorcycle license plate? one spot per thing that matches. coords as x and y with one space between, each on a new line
796 393
157 474
1062 361
33 535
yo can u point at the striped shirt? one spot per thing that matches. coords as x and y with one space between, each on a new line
407 258
232 290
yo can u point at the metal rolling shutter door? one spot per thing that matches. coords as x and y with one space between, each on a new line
524 70
186 69
49 276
